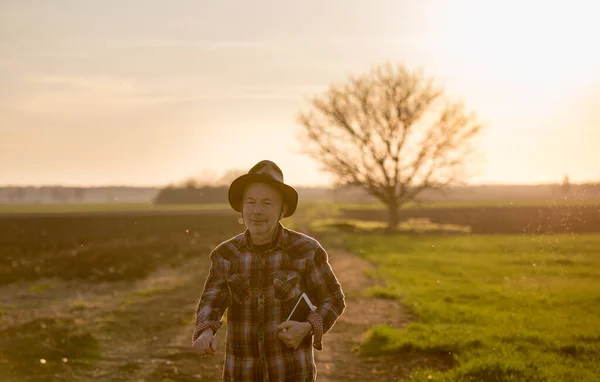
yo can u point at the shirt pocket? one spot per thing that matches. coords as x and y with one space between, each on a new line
239 287
285 284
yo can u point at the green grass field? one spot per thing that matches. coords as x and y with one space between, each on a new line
506 308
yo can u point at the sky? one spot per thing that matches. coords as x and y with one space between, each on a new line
146 92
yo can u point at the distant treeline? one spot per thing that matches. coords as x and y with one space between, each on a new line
192 195
65 194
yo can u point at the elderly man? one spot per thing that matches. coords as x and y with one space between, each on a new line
258 277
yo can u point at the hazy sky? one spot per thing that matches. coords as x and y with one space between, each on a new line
150 92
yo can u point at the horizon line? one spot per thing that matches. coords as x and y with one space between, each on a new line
297 186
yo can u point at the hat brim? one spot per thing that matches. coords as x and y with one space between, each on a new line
236 192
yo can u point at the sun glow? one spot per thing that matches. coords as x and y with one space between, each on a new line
541 54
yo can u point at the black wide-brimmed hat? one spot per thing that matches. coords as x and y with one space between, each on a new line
263 172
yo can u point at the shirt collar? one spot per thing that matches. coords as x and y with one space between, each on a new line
281 238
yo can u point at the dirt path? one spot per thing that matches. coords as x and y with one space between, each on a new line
143 329
174 361
337 361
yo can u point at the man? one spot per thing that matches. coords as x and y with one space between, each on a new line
258 276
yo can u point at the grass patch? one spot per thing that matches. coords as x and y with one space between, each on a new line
138 296
504 307
43 347
384 293
334 225
4 309
149 292
40 288
346 225
370 273
80 305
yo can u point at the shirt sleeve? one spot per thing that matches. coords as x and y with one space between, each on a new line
328 295
214 300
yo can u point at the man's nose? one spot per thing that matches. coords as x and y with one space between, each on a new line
257 210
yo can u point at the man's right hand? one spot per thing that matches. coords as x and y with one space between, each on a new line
206 343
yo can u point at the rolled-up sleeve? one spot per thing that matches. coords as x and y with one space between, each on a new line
214 299
328 295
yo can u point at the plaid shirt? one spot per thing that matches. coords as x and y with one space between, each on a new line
259 291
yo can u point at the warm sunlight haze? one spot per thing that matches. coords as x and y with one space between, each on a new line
339 190
152 92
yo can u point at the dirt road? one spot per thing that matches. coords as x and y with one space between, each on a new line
337 361
141 331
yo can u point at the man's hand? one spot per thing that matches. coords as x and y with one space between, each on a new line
206 343
293 332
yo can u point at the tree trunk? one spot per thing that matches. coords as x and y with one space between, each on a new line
393 217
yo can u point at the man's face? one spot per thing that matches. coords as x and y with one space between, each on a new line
261 207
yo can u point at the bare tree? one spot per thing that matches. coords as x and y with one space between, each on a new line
391 132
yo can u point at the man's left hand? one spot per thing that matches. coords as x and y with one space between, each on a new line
293 332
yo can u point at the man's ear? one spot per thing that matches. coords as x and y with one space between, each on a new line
284 208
